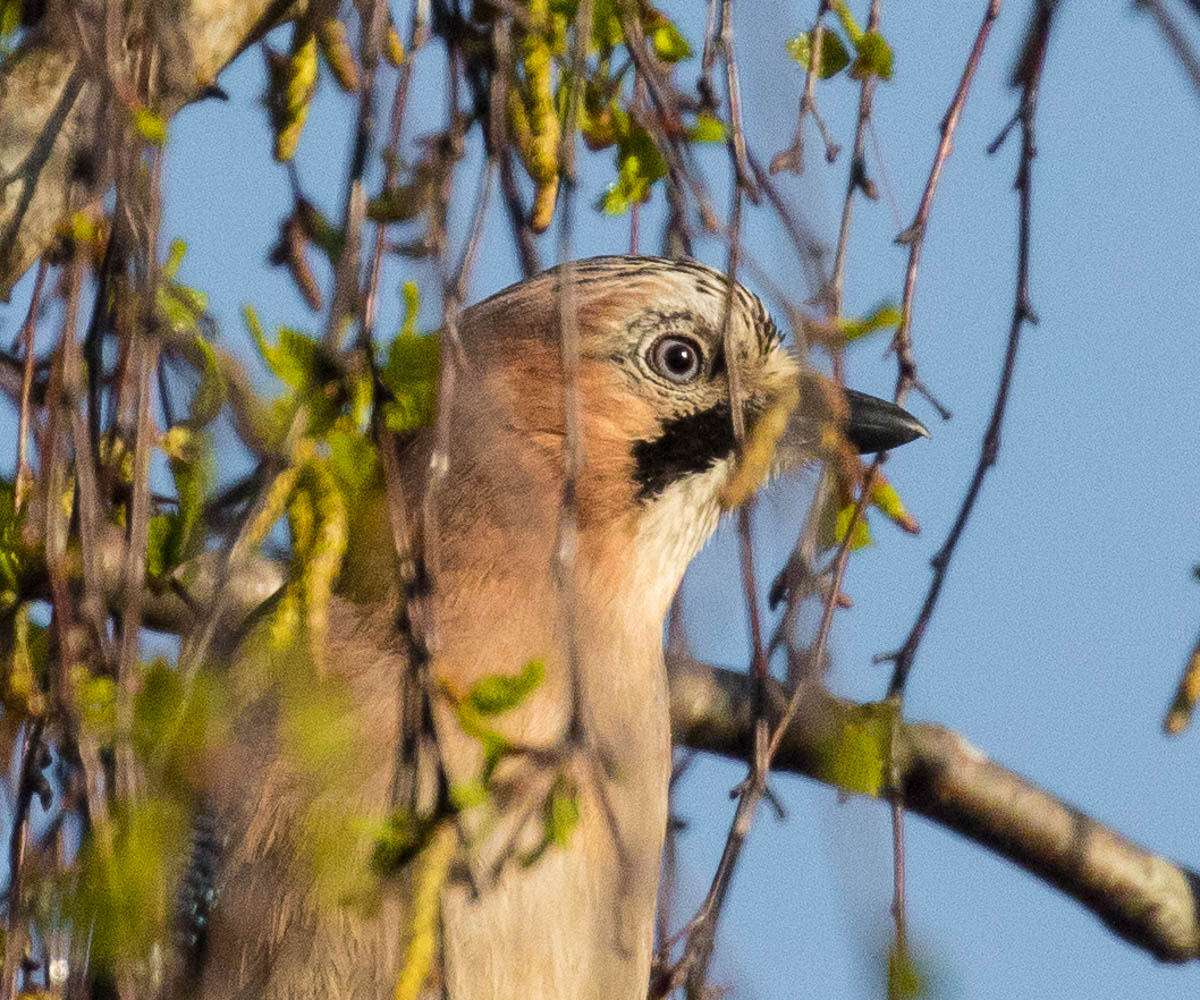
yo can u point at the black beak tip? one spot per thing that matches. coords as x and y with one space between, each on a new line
876 425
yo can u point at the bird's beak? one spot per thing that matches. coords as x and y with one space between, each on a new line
875 424
793 431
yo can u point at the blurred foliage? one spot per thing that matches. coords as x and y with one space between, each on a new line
433 871
125 890
904 979
410 373
857 755
152 732
12 555
293 82
12 17
757 453
151 126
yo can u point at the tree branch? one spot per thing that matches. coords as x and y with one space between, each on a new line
48 108
1145 898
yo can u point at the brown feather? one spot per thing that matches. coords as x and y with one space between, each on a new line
577 924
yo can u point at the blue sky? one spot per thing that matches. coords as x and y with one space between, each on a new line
1070 606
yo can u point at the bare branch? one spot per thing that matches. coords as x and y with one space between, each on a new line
914 235
1029 78
1176 39
1145 898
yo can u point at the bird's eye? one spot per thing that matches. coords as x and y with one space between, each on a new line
677 359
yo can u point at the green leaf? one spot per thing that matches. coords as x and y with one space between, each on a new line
862 531
250 317
192 467
182 306
562 815
296 359
411 293
162 544
639 165
411 375
887 500
151 125
322 232
12 551
352 460
126 895
500 693
885 316
874 57
466 795
170 722
403 837
834 57
598 120
905 981
607 33
857 756
669 44
96 703
30 659
397 204
10 17
210 394
174 258
708 128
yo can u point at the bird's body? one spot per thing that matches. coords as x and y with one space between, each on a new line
656 445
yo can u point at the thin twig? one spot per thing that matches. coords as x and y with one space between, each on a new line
142 344
1022 312
666 101
914 235
88 509
28 329
1175 37
518 214
792 158
899 904
701 929
16 918
346 287
1179 714
451 358
733 93
841 561
808 248
857 180
567 543
391 158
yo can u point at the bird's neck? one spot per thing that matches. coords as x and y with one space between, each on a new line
500 600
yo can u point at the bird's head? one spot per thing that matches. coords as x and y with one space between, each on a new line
653 380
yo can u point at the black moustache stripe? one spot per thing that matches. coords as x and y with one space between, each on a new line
687 445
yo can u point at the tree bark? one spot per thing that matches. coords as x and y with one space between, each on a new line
48 113
1148 900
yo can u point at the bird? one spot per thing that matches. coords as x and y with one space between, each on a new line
557 564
